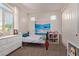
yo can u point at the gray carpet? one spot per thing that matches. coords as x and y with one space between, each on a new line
34 50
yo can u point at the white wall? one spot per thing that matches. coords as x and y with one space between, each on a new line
16 25
44 15
78 18
23 21
69 23
20 20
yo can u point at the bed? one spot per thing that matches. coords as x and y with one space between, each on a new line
34 39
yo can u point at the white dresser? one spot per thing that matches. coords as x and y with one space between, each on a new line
73 47
9 44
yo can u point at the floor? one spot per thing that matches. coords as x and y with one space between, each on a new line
36 50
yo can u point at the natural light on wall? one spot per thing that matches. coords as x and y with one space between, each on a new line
32 18
16 18
66 16
53 17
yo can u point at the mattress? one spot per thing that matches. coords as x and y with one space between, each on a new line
34 39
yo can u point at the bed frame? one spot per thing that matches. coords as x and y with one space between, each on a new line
46 44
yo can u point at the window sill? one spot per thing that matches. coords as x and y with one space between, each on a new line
2 37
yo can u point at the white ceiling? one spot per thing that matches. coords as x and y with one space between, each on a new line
44 7
40 7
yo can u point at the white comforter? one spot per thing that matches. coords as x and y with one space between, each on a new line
34 39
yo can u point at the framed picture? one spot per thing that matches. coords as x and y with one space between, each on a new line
15 31
42 28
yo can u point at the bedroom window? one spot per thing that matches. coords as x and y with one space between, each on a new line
53 17
32 18
6 20
0 19
54 23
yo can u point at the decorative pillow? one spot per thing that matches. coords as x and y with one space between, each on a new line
25 34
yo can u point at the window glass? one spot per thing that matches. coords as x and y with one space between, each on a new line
0 19
53 17
8 22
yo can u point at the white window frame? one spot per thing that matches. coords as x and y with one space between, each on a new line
3 17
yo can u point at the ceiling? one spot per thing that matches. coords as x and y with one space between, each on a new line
40 7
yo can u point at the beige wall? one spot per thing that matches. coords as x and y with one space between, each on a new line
23 21
20 20
42 15
24 24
